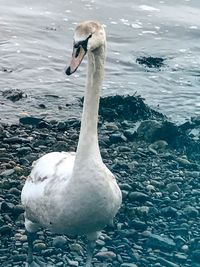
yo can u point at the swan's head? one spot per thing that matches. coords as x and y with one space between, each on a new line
88 36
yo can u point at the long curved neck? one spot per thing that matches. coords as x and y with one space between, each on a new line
88 139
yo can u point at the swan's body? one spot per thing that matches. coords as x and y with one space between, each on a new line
75 193
77 206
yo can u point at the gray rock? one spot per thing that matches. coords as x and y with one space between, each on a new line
24 150
5 230
160 242
59 241
117 138
138 196
190 212
167 263
173 187
125 264
105 255
196 256
148 128
7 172
39 246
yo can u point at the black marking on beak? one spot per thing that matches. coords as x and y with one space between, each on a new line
68 71
78 51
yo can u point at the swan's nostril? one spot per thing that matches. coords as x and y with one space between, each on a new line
68 71
77 51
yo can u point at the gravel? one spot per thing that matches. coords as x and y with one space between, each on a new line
158 223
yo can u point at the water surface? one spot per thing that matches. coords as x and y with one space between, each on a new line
36 44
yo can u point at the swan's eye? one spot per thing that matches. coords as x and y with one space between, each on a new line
77 51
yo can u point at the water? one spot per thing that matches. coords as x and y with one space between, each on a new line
36 44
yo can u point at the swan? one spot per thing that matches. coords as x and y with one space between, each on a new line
75 193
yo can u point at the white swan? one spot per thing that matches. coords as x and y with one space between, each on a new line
75 193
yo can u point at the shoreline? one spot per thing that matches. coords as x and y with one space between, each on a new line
157 165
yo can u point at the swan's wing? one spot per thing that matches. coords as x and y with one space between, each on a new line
56 165
51 170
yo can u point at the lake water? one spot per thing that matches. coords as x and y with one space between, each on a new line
36 44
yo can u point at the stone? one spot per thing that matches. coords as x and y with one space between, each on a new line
125 264
7 173
138 196
167 263
6 230
59 242
117 138
190 212
105 255
39 246
196 256
76 247
159 242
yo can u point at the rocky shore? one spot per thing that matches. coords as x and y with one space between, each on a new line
157 165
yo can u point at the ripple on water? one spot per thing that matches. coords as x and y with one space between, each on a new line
36 42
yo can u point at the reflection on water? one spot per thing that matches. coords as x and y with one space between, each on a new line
36 42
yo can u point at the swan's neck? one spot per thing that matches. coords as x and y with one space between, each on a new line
88 145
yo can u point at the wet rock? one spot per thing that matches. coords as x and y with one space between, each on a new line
30 121
7 173
6 230
105 255
117 138
159 145
148 130
138 196
160 242
167 263
61 125
138 225
183 161
190 212
42 106
76 247
14 94
169 211
19 257
125 264
39 246
130 108
196 256
173 187
15 139
59 242
24 150
152 131
151 62
73 263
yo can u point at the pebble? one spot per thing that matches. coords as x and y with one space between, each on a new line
125 264
105 255
39 246
7 172
6 230
59 241
138 196
190 211
159 242
117 138
76 247
167 263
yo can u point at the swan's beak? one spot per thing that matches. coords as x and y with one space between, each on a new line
77 56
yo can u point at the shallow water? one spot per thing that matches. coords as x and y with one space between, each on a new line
36 43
